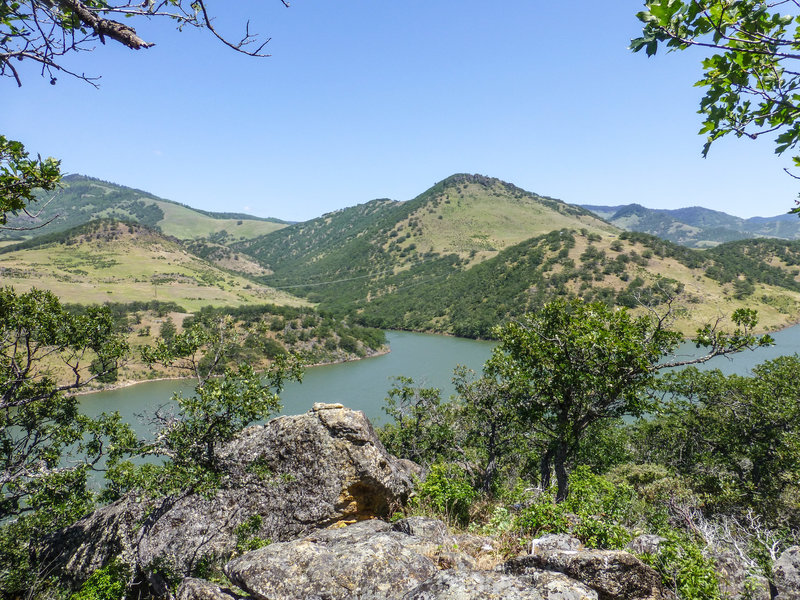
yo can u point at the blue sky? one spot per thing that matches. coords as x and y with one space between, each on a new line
369 99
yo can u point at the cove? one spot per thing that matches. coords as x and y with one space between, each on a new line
362 385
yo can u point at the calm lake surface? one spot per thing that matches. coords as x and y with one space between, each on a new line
362 385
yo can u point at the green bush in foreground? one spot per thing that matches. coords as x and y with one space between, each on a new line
447 490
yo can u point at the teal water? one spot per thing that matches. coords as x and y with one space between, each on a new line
786 342
362 385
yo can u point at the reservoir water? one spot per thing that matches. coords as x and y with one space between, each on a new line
362 385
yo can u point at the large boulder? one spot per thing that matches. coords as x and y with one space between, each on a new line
365 560
474 585
613 574
197 589
786 574
282 480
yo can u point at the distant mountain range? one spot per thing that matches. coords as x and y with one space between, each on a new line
697 227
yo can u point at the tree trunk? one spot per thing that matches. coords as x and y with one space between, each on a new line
544 468
560 461
489 475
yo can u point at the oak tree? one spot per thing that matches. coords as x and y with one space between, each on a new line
752 76
573 364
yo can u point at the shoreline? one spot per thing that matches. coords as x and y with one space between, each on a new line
132 382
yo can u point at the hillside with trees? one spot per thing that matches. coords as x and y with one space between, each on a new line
78 199
114 261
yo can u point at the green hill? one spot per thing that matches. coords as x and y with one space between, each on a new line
81 199
125 262
351 254
463 256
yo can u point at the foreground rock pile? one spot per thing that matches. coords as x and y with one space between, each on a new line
291 476
317 490
419 559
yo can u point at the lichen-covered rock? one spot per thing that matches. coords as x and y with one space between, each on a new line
555 541
557 586
425 528
786 574
293 475
366 560
474 585
197 589
612 574
735 580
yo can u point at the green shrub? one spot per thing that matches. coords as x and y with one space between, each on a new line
544 516
108 583
447 490
247 538
684 569
593 512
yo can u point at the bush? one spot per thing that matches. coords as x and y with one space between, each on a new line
684 569
108 583
593 512
447 491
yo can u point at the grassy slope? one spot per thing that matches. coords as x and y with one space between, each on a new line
475 218
185 223
82 199
121 263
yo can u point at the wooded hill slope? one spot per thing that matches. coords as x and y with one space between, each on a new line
464 256
624 270
366 250
473 251
82 199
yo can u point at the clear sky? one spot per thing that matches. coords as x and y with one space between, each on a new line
369 99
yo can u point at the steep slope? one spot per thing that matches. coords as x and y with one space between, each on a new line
363 251
82 199
697 227
123 262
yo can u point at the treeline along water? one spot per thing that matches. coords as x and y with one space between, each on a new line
362 385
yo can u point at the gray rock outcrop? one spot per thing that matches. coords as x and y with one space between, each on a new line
613 574
786 574
736 581
365 560
415 559
474 585
197 589
555 541
294 475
